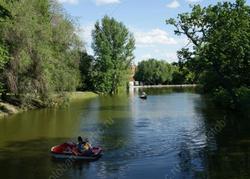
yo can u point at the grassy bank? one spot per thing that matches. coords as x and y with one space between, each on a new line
81 95
7 109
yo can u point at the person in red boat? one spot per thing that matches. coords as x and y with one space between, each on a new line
87 146
82 150
83 146
80 144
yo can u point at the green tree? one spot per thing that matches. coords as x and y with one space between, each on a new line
86 68
154 72
43 47
113 45
4 13
220 37
4 58
182 74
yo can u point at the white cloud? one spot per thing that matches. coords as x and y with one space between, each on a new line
146 56
174 4
152 43
171 57
154 37
103 2
160 54
85 32
69 1
194 1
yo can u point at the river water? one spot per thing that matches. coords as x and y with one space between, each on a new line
175 133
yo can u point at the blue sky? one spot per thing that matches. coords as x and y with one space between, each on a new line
144 18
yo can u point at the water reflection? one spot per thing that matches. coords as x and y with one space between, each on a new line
167 135
115 116
27 159
228 150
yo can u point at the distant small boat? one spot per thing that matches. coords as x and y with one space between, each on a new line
143 96
69 150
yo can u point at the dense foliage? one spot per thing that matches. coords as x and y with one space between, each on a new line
39 50
220 56
4 58
182 74
113 45
86 69
154 72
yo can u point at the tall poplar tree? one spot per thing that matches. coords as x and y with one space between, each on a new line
113 45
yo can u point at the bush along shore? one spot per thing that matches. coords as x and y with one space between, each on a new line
9 108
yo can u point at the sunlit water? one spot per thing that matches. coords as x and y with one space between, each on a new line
175 133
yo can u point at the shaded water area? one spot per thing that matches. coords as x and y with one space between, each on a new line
175 133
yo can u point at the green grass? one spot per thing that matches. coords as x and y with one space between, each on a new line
81 95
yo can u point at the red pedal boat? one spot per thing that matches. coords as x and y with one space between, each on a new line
69 150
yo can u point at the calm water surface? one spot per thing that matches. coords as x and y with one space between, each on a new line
175 133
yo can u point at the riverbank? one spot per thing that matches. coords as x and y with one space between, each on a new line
78 95
166 86
7 109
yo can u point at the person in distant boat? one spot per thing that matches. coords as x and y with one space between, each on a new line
143 93
80 144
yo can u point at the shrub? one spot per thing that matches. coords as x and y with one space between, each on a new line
222 98
243 96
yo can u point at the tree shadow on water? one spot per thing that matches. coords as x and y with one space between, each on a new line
32 159
230 158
